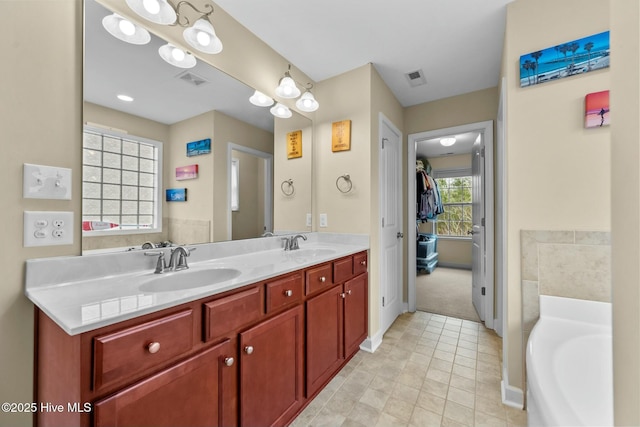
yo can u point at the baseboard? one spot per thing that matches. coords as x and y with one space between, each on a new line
511 396
371 344
454 265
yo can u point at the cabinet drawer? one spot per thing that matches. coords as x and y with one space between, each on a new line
342 270
232 312
319 278
284 291
359 263
126 353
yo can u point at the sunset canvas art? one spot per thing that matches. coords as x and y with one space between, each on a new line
596 109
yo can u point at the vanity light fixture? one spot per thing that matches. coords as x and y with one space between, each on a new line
281 111
447 142
307 102
287 86
260 99
176 56
125 30
200 36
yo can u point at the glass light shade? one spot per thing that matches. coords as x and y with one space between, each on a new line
447 142
307 102
287 88
125 30
260 99
176 56
203 37
158 11
281 111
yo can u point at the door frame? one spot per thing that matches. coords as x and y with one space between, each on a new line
486 129
384 121
268 180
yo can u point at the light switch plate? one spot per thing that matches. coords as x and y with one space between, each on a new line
46 182
323 220
43 228
309 220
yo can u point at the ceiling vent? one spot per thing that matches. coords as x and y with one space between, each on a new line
416 78
191 78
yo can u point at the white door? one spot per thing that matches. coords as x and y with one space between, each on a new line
391 238
478 252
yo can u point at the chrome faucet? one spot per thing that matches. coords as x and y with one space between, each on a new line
293 245
177 260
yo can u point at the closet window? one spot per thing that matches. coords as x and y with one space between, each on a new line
456 221
121 183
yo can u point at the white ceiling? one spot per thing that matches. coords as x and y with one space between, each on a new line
457 43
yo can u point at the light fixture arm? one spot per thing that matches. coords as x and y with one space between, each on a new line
183 21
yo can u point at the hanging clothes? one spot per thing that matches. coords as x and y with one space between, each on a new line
428 200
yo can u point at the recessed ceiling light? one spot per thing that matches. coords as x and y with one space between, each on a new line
447 141
125 98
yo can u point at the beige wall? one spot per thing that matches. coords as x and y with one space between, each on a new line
555 167
200 195
41 123
625 229
290 211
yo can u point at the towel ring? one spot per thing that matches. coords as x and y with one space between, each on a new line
347 179
290 189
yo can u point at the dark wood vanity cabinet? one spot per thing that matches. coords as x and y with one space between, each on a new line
254 356
336 324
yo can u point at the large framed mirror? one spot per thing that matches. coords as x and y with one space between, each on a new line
246 185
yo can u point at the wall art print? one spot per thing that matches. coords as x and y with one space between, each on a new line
186 172
197 148
176 194
596 109
564 60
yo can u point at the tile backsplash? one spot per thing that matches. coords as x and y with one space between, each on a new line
572 264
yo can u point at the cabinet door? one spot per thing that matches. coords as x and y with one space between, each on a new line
190 393
355 313
271 358
325 345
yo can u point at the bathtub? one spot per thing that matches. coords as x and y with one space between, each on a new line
569 364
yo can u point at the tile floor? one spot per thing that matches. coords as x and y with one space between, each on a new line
430 370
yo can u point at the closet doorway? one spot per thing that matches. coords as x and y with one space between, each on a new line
464 233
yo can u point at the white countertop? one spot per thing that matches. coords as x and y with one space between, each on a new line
84 293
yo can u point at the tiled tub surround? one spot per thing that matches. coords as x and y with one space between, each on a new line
84 293
570 264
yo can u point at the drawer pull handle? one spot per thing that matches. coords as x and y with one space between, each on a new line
363 262
248 349
288 293
323 279
229 361
153 347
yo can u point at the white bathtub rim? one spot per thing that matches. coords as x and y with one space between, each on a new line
551 404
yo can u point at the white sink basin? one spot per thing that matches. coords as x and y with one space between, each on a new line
188 279
312 253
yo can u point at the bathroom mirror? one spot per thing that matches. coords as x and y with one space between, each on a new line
246 186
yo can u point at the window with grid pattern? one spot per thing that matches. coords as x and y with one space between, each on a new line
121 182
456 221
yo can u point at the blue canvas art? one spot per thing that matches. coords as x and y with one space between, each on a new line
565 60
197 148
176 194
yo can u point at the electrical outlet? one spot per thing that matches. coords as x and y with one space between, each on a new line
46 182
323 220
48 228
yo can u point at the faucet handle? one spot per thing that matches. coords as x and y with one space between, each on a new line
287 243
160 265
